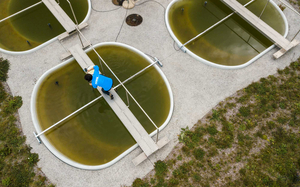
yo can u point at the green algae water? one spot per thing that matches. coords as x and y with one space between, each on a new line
32 25
96 136
234 41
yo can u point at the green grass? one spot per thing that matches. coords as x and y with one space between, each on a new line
17 163
4 67
249 139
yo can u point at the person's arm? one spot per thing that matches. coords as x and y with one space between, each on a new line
90 68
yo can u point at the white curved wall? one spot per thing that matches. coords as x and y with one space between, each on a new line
63 157
47 42
214 64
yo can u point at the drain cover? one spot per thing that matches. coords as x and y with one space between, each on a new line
117 2
134 19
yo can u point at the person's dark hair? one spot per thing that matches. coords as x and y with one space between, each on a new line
88 77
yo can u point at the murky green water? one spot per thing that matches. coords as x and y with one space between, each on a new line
32 25
96 135
234 41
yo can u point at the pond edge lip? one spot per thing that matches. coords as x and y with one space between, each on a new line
62 157
215 64
47 42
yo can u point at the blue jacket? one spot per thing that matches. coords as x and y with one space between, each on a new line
101 80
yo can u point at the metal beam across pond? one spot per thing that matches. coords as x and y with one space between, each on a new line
60 15
119 107
20 11
264 28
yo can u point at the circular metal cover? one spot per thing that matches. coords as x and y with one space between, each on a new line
134 19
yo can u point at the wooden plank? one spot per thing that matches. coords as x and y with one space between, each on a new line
162 142
66 34
268 31
131 123
65 56
141 157
60 15
119 107
279 53
63 36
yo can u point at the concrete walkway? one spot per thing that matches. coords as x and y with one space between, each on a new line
196 87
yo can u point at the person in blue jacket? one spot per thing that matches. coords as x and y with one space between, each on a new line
96 79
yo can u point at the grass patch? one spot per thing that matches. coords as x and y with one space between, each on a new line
4 67
17 163
258 144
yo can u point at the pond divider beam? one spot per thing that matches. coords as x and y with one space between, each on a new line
128 119
20 11
264 9
263 27
64 119
211 27
91 102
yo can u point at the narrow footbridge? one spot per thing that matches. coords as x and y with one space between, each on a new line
124 114
63 18
264 28
60 15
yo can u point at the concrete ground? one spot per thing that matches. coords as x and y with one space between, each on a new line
196 87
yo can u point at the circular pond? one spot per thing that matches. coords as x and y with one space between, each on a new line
233 43
35 27
96 138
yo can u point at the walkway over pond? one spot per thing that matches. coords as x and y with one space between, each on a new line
124 114
60 15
